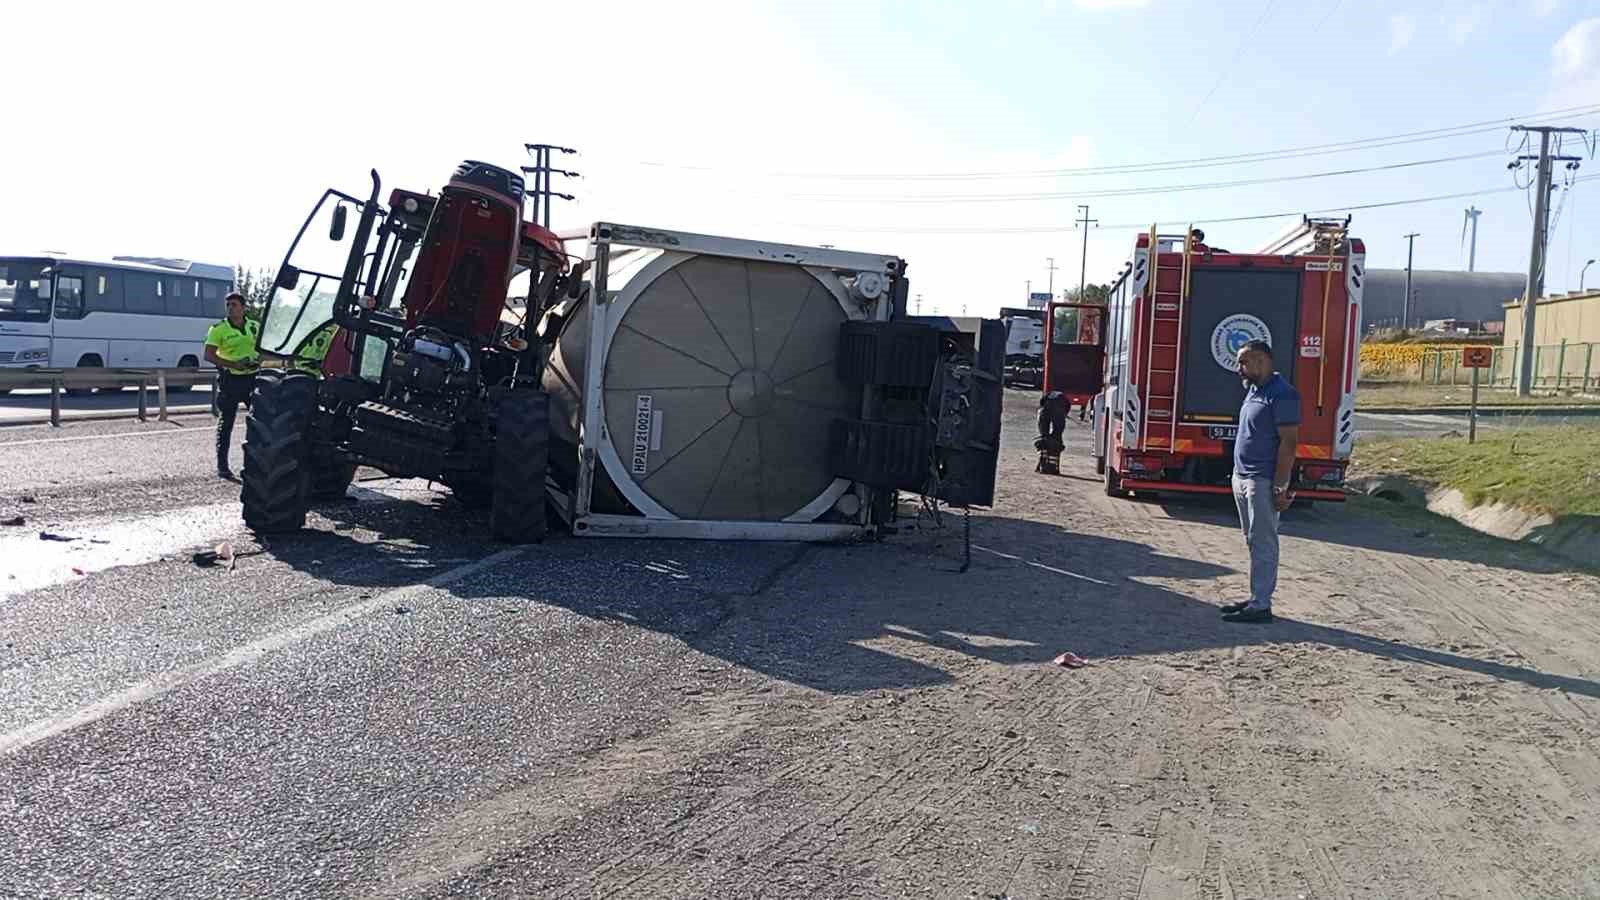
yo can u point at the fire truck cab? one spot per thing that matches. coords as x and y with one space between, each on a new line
1167 412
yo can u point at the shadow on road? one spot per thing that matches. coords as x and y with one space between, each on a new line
853 618
1373 524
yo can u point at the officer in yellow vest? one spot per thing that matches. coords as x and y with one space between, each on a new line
231 347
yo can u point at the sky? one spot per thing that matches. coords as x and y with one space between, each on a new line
928 130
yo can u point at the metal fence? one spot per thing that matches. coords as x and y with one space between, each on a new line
64 382
1564 366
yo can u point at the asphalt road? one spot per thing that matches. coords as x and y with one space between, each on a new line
21 407
1443 423
388 705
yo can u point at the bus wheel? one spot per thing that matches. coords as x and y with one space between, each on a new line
87 361
188 362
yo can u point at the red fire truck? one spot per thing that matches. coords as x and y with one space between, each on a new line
1167 413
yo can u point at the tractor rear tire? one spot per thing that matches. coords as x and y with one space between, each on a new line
521 456
471 491
277 452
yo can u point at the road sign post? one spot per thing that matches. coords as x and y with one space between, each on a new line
1477 359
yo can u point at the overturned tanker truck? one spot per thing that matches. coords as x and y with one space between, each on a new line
651 382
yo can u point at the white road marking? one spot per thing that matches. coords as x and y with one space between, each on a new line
154 687
107 437
1040 565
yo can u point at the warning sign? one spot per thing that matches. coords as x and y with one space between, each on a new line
1477 357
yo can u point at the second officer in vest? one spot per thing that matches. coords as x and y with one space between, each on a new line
231 347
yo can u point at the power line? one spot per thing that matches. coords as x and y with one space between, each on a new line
1128 191
1199 220
1238 54
1374 143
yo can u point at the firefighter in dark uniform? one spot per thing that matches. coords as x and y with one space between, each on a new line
231 347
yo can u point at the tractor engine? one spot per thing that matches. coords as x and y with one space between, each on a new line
432 370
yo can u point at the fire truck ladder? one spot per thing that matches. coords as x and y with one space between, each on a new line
1165 306
1325 237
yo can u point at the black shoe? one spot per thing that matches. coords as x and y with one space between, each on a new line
1229 609
1249 615
224 473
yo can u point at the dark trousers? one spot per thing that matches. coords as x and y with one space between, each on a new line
232 390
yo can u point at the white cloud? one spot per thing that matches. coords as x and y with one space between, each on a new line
1575 66
1401 30
1101 5
1468 21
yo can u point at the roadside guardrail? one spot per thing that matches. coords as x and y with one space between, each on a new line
59 381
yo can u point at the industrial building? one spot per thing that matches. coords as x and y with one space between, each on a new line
1468 296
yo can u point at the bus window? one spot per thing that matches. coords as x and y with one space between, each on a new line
143 294
107 293
24 293
69 297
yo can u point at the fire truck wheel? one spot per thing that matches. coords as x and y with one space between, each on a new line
277 474
521 452
1114 484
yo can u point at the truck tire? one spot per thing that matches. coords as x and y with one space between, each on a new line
1114 484
521 455
1100 461
276 477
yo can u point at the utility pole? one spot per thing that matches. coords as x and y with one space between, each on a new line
1051 268
1536 252
1405 306
919 304
1472 249
1083 264
543 173
1583 273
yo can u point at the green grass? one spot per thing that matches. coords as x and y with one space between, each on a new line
1398 395
1556 470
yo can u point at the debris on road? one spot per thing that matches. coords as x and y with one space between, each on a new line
28 498
52 536
221 554
1070 660
13 521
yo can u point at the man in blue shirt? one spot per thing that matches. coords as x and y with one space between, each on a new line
1263 461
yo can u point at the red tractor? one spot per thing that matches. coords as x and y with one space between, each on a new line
389 347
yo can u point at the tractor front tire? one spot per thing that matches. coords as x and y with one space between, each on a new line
521 455
331 480
277 452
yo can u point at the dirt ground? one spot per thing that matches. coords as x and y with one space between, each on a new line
1421 721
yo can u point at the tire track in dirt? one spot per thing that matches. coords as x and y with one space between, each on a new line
737 835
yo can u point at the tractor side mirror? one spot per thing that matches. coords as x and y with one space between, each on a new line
336 230
288 277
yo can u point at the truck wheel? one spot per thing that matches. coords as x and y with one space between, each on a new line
521 453
277 452
1114 484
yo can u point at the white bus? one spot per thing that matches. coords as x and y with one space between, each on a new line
124 312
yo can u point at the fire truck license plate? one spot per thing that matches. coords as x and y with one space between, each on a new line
1223 432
